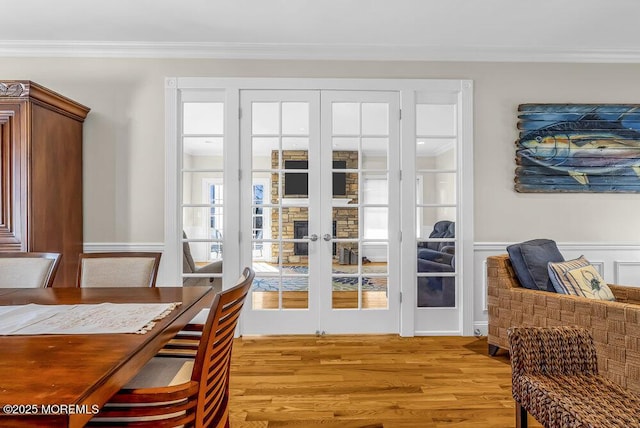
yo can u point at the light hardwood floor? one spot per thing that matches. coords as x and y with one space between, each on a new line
369 381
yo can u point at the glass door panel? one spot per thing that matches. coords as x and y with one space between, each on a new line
278 132
436 212
202 200
320 211
360 143
359 135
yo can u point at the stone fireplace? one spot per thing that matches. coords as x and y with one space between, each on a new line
294 219
300 230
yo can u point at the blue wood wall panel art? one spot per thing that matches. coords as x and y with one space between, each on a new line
578 148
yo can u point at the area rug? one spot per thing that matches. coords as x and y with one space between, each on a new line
292 282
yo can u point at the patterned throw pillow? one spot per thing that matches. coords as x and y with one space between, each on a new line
558 271
590 283
579 278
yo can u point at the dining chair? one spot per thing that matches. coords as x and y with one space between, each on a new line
118 269
28 270
171 392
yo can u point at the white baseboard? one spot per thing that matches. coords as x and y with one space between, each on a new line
480 328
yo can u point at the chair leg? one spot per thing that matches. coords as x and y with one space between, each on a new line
521 416
493 350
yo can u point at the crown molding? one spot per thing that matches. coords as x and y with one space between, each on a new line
104 49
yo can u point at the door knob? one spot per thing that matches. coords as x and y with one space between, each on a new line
312 238
326 237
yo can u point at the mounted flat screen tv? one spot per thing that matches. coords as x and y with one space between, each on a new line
297 183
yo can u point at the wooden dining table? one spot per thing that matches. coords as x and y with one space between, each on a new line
63 380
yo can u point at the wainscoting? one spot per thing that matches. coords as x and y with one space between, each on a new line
617 263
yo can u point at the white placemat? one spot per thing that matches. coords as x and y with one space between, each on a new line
99 318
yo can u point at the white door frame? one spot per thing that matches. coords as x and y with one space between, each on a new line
408 88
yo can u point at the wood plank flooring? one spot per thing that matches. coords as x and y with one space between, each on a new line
369 381
300 299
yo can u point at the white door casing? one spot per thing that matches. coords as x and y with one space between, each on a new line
237 252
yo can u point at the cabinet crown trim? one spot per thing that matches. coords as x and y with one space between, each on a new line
26 89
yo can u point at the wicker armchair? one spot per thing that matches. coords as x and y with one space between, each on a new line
614 326
555 379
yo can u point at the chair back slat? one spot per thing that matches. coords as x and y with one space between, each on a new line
213 358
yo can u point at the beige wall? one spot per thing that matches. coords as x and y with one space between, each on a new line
124 137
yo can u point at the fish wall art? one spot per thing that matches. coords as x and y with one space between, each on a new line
578 148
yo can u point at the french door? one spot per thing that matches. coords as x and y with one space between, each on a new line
328 246
356 218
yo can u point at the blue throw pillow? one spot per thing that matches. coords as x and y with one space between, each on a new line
530 259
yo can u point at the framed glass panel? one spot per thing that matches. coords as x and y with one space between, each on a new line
195 186
375 292
346 118
203 118
345 292
265 118
437 188
346 221
295 290
265 152
295 118
375 188
436 119
436 291
296 144
346 255
203 252
202 152
374 153
374 258
345 143
436 153
375 118
265 292
376 222
429 218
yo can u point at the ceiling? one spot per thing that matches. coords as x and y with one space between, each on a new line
457 30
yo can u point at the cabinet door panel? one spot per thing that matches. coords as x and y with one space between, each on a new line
12 178
55 220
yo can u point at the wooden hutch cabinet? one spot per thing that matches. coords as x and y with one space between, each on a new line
41 174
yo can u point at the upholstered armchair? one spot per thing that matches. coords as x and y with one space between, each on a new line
441 252
189 266
437 257
436 291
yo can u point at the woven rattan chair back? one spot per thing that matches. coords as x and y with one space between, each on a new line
546 351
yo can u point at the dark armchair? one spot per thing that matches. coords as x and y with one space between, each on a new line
441 252
437 257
